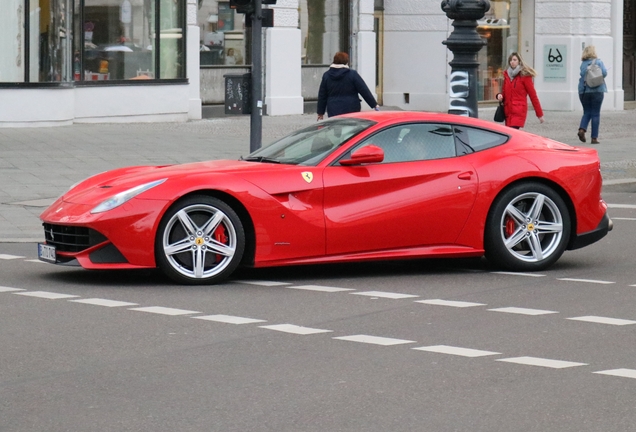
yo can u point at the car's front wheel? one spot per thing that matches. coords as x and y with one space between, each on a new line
528 228
200 240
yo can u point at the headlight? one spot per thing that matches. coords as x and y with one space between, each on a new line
124 196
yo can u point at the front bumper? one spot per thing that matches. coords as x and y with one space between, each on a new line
582 240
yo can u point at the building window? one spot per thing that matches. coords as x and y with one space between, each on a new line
35 41
224 37
56 41
500 29
120 40
324 26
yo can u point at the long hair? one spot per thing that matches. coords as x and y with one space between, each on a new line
589 52
525 69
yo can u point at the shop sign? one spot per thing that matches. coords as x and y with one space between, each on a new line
125 12
554 63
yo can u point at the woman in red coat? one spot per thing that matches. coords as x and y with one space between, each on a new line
517 86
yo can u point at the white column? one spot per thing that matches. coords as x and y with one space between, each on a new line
193 63
364 44
283 89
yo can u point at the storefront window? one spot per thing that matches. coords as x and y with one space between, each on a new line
224 38
171 40
499 28
321 26
35 41
118 40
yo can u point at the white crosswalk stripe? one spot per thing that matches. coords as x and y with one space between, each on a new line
45 295
103 302
625 373
464 352
523 311
536 361
10 257
229 319
261 283
291 328
451 303
164 310
603 320
592 281
376 340
382 294
9 289
319 288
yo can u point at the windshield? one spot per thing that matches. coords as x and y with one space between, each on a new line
310 145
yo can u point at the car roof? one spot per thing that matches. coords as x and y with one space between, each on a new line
406 116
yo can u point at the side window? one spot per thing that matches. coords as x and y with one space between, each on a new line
413 142
470 140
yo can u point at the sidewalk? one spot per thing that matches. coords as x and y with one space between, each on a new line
39 164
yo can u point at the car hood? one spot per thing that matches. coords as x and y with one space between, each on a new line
272 178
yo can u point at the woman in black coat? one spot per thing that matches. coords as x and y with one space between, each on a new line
340 88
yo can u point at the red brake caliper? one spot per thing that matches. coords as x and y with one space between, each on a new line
510 226
220 236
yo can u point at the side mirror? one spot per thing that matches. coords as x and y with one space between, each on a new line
364 155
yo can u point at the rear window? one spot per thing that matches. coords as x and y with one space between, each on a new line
469 140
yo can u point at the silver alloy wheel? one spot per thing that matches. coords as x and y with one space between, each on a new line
199 241
531 227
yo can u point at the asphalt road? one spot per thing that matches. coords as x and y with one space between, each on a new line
374 347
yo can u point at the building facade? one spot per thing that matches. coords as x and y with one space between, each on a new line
65 61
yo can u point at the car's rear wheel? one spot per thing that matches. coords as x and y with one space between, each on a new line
528 228
200 240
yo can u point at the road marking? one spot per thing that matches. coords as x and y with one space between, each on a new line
586 281
619 218
376 340
45 294
383 294
621 206
103 302
229 319
518 274
36 261
320 288
261 283
164 310
9 289
10 257
464 352
625 373
523 311
603 320
535 361
290 328
451 303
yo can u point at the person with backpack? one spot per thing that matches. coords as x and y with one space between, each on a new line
591 92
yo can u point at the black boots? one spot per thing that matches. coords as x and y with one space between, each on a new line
581 135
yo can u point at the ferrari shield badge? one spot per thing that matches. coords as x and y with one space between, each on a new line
308 176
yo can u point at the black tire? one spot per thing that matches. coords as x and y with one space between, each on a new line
528 228
200 241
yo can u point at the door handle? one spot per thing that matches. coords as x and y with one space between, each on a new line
465 175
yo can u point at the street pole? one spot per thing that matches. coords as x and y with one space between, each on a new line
464 42
256 118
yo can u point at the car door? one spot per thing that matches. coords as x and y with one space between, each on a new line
416 197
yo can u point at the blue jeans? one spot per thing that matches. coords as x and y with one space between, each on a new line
591 110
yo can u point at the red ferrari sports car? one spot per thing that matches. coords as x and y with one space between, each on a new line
365 186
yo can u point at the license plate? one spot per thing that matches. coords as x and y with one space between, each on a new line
46 253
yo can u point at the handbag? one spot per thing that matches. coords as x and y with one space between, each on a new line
594 75
500 115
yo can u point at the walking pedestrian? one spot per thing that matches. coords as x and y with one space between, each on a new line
340 87
517 86
591 97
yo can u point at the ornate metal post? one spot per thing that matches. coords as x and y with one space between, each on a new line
464 42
